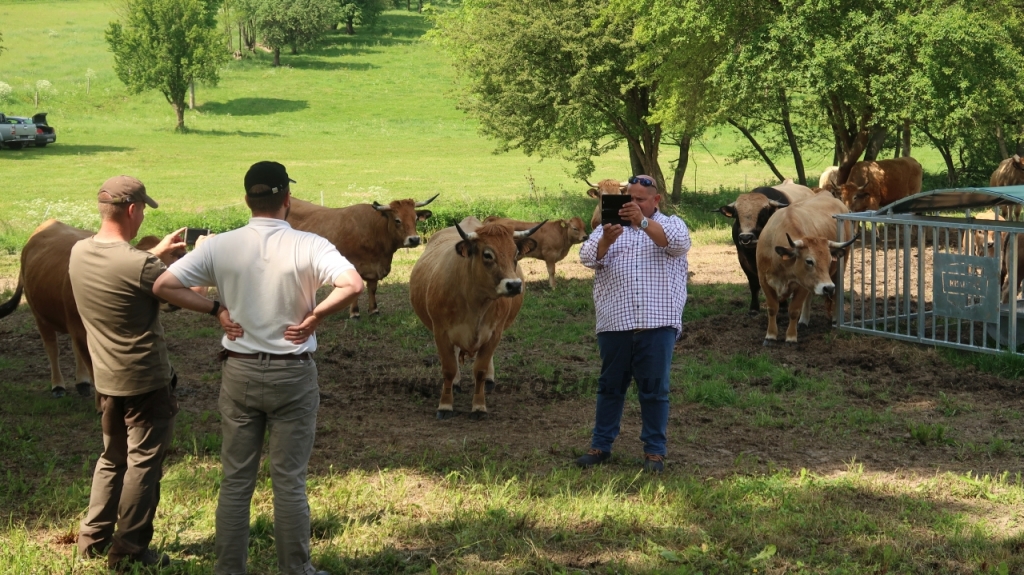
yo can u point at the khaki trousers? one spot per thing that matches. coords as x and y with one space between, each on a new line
137 431
258 396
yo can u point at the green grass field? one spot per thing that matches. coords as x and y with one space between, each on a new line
370 117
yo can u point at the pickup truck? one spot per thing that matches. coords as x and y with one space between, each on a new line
16 132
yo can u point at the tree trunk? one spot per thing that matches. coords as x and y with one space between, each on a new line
295 49
1001 141
349 25
875 143
947 156
683 161
635 165
408 5
798 161
179 111
906 138
420 9
192 95
760 150
277 56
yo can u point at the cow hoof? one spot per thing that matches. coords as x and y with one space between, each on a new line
456 388
354 317
58 392
443 414
375 312
477 415
791 342
753 312
84 389
768 342
804 324
489 385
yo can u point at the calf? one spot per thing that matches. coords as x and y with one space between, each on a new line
553 239
873 185
1009 173
797 254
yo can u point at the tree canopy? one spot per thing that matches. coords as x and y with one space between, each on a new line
165 45
294 23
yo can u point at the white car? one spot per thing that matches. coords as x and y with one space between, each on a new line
17 132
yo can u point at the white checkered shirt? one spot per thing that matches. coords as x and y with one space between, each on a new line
638 285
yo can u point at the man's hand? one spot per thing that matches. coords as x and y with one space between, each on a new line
201 239
171 248
231 329
631 212
298 334
608 237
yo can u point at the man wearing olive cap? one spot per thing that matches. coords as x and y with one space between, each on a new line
268 274
113 288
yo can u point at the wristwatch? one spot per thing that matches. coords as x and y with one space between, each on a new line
216 308
643 224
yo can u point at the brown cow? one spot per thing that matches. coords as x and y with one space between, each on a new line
796 255
467 288
553 239
873 185
45 281
603 187
827 180
368 235
750 212
1009 173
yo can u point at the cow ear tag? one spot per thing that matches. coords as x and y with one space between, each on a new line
784 253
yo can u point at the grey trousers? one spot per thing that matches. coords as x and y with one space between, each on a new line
257 396
137 430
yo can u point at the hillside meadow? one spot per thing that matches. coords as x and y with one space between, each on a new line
842 454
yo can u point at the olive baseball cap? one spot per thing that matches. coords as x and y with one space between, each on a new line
266 177
124 190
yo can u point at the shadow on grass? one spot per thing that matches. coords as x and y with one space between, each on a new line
306 63
59 149
239 133
253 107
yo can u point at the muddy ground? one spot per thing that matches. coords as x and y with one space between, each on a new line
373 412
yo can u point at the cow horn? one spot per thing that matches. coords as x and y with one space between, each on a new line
589 184
465 236
796 244
777 204
529 232
379 207
839 246
421 204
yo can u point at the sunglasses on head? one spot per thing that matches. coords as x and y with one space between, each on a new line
646 182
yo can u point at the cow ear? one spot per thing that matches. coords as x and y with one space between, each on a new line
785 253
592 192
727 211
465 248
422 215
525 246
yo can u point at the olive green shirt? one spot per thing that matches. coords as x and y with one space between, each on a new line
113 287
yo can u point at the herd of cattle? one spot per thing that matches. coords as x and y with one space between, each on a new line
467 287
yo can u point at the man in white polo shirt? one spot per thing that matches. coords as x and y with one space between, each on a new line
267 275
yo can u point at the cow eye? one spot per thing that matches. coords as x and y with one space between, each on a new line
398 220
488 256
810 262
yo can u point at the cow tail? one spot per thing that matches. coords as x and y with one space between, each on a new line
10 305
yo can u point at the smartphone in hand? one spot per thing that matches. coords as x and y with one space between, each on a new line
610 206
192 234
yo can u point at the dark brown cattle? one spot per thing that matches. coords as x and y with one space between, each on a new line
797 255
1009 173
554 239
873 185
750 213
368 235
467 289
45 281
603 187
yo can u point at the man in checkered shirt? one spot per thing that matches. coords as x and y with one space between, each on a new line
639 294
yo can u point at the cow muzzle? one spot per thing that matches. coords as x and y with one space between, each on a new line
747 239
509 287
826 289
412 241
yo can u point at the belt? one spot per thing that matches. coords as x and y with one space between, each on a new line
270 356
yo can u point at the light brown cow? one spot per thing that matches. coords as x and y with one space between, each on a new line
873 185
467 288
983 243
1009 173
603 187
553 239
797 255
368 235
827 180
751 212
45 281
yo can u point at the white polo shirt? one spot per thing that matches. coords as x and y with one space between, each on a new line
267 275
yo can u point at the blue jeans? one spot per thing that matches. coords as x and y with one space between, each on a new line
644 356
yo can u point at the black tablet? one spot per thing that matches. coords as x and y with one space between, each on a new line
610 206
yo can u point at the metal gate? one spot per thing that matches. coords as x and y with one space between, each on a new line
936 279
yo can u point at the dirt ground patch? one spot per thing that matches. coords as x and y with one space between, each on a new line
380 391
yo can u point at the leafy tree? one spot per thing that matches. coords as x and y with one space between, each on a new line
294 23
554 78
361 12
2 43
165 45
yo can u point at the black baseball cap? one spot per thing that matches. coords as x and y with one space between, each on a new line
266 177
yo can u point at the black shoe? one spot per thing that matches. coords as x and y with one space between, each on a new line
592 458
654 463
147 558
